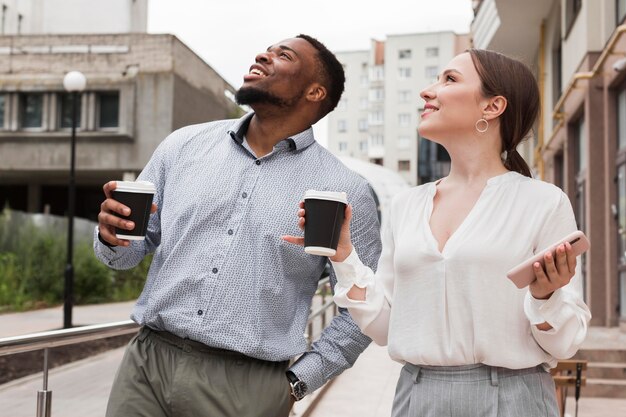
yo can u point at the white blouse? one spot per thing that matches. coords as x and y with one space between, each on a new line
457 307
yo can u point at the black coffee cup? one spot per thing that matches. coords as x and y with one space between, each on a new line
325 212
136 195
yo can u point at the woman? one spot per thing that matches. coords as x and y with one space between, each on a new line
473 343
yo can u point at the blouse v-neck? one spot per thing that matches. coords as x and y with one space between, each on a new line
466 220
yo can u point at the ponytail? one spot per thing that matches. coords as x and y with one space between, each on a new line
515 162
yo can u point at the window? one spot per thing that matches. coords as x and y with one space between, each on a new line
404 166
377 161
364 80
65 110
363 103
557 68
376 118
342 104
363 146
432 52
377 94
404 72
362 125
2 107
404 54
404 142
31 110
620 165
342 126
433 161
343 146
430 72
404 119
572 7
621 13
404 96
377 73
377 140
108 109
580 139
621 120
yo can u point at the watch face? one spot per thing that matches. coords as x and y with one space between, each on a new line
298 389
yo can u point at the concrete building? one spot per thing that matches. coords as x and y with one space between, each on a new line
140 87
577 50
376 119
23 17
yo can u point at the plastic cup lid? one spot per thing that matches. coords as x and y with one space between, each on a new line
339 196
136 187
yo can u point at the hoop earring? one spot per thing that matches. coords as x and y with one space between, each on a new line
486 125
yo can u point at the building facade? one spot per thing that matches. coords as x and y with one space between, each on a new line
140 87
377 117
577 50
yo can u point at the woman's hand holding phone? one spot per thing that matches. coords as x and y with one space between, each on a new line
558 272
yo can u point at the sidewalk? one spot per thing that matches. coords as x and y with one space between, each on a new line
366 390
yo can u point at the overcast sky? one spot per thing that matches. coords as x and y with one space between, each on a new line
228 34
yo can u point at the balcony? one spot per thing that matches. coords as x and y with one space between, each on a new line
510 27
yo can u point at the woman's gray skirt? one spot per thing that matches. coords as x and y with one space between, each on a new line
474 391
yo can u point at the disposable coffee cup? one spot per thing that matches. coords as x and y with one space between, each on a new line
325 212
136 195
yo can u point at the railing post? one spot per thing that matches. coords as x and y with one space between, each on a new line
44 397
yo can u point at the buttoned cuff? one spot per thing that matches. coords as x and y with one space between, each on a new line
308 371
350 272
550 310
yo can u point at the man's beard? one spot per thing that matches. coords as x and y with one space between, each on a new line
251 95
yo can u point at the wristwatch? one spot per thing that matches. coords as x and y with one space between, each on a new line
298 388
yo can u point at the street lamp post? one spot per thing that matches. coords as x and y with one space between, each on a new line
74 82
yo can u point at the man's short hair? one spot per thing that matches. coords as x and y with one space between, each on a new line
330 72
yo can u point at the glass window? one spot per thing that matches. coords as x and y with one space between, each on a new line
582 146
404 165
621 11
65 110
621 120
342 126
572 7
377 140
362 125
432 52
31 110
621 212
404 72
404 142
404 119
109 109
377 73
2 106
343 104
363 146
404 54
343 146
376 118
404 96
430 72
377 94
363 103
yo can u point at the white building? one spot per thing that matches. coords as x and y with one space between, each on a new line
376 119
36 17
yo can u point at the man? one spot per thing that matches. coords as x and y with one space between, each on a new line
226 302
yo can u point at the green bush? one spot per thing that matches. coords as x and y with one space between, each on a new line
33 261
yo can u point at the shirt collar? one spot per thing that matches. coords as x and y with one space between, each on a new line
295 142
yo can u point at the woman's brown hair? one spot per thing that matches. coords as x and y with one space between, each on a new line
507 77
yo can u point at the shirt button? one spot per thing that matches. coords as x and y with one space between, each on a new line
257 162
230 231
244 195
200 312
215 270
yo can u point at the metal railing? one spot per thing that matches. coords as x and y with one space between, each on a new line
55 338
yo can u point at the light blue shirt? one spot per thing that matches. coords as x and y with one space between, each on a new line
221 274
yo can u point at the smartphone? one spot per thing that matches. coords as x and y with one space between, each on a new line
523 274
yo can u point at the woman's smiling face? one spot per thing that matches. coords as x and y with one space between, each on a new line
453 102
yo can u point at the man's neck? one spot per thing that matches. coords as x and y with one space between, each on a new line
266 130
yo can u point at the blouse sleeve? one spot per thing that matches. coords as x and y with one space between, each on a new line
565 310
371 315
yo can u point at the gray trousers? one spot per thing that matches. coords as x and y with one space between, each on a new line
474 391
162 375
